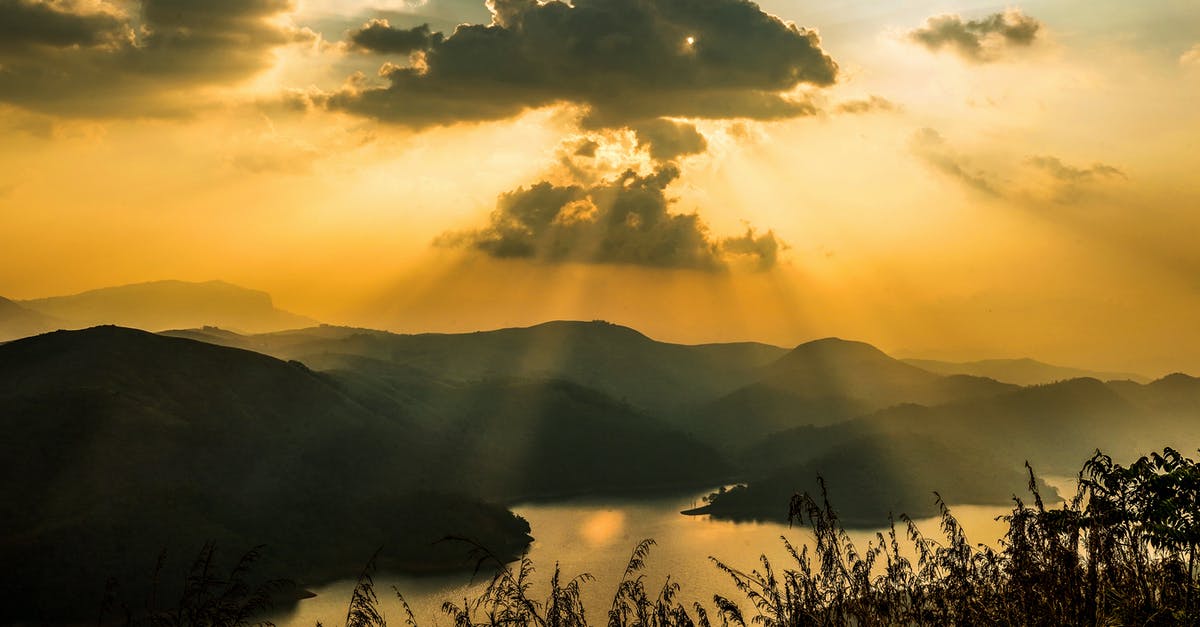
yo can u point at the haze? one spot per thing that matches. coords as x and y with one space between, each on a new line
918 177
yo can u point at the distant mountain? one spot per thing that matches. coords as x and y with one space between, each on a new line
824 382
17 321
171 305
119 444
1019 371
872 476
623 363
1055 426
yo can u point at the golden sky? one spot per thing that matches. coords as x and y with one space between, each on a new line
942 179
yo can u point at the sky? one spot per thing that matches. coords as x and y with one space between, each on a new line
956 180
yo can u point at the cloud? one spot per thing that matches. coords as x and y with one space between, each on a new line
1071 183
868 105
1191 58
378 36
980 40
762 249
624 61
1070 174
932 148
668 140
624 220
130 58
26 25
586 148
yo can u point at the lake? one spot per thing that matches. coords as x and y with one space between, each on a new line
596 536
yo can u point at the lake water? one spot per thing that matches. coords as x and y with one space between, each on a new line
596 536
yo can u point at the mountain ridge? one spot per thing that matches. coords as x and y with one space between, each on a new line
167 304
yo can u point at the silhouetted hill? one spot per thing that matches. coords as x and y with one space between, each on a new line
557 438
1019 371
619 361
171 305
1054 426
118 444
870 477
514 439
17 321
824 382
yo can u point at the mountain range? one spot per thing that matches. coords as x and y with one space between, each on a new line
152 306
323 441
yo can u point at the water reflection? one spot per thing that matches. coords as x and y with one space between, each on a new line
601 528
597 536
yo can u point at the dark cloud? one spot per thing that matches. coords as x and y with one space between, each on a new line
932 148
378 36
868 105
74 59
624 60
26 25
978 40
668 140
626 220
763 249
586 148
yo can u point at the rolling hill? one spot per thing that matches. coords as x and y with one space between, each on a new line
874 476
1019 371
1055 426
621 362
17 321
824 382
119 444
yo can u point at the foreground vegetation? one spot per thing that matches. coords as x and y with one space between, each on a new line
1121 552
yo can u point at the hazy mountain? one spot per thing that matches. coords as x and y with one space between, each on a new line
519 439
827 381
1055 427
870 477
118 444
171 305
1019 371
619 361
17 321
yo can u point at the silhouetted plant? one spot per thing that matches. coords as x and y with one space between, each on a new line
208 598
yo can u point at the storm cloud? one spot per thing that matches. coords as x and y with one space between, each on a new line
667 140
120 59
625 61
980 40
378 36
625 220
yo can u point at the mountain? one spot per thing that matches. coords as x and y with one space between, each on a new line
824 382
1019 371
519 439
119 444
619 361
871 477
169 305
17 321
1055 427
